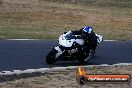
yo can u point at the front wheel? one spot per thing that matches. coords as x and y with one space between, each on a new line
51 57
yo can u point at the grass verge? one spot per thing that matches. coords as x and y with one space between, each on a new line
67 79
47 19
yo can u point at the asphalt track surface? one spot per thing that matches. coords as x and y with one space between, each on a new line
30 54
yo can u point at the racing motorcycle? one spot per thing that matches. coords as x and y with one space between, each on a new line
67 50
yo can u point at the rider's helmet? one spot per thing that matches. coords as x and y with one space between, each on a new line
86 31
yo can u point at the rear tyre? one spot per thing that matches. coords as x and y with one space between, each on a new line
81 60
91 55
88 56
51 57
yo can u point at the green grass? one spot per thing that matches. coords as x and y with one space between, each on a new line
47 19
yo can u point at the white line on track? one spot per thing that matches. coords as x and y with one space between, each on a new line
43 70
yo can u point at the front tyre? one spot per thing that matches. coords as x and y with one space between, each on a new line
51 57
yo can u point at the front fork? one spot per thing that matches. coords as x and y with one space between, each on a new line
60 52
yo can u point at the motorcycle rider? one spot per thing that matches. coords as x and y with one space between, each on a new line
90 39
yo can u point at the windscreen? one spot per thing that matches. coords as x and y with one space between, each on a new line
69 36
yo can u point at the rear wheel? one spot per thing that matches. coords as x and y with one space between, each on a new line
81 59
51 57
88 56
91 55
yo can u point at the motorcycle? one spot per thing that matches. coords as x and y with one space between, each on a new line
67 50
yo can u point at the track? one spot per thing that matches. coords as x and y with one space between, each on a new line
30 54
